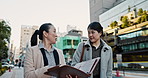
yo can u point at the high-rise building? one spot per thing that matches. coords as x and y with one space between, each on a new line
69 27
97 7
121 9
26 33
129 41
105 11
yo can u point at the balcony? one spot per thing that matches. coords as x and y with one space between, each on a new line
133 40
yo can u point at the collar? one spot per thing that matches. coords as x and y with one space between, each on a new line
42 46
101 45
87 43
106 47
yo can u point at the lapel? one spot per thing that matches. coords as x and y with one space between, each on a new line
56 56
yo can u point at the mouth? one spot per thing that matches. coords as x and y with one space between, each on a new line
55 39
90 38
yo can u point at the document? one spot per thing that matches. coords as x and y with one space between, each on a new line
81 70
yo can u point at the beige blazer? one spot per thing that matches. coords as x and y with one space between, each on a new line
34 63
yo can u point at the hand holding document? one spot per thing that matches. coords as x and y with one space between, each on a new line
81 70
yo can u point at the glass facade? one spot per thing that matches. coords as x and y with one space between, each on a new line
115 13
143 32
136 46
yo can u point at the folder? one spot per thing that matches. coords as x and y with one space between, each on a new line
81 70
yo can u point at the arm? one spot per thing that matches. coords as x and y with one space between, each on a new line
110 65
77 54
29 69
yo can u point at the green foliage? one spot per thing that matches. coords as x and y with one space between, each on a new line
140 12
0 65
143 18
129 8
125 22
5 32
121 18
114 24
2 70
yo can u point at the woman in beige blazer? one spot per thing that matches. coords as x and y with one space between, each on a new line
40 57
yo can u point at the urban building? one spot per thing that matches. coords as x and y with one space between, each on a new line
69 43
134 44
129 43
115 13
98 7
26 33
69 28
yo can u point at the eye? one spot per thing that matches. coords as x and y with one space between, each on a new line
54 31
92 32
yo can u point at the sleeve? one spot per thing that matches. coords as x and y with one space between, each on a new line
29 68
61 56
110 65
77 54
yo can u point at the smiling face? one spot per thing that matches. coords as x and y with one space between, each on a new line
93 35
51 35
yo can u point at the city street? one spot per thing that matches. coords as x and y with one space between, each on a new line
18 73
15 73
132 74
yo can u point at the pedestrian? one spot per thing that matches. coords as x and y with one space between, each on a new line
95 47
19 63
44 55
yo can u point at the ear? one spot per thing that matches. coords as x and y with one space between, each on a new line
45 34
100 34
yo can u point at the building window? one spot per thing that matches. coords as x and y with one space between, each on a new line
141 45
134 34
64 43
68 42
75 42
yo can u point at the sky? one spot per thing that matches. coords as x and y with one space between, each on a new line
36 12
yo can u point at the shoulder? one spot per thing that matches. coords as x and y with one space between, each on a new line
58 50
106 46
81 43
33 49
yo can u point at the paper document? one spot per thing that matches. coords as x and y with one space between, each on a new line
87 66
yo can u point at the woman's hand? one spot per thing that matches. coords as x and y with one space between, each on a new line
69 76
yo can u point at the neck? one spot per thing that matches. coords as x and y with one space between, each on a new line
47 45
96 44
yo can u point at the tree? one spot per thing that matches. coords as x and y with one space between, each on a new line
5 32
140 12
125 22
129 8
145 15
114 24
121 18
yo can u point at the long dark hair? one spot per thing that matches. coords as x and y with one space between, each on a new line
43 27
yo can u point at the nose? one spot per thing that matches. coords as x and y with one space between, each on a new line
56 35
90 35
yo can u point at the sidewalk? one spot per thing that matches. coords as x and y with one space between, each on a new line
15 73
132 74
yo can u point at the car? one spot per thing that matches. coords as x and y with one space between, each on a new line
5 64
